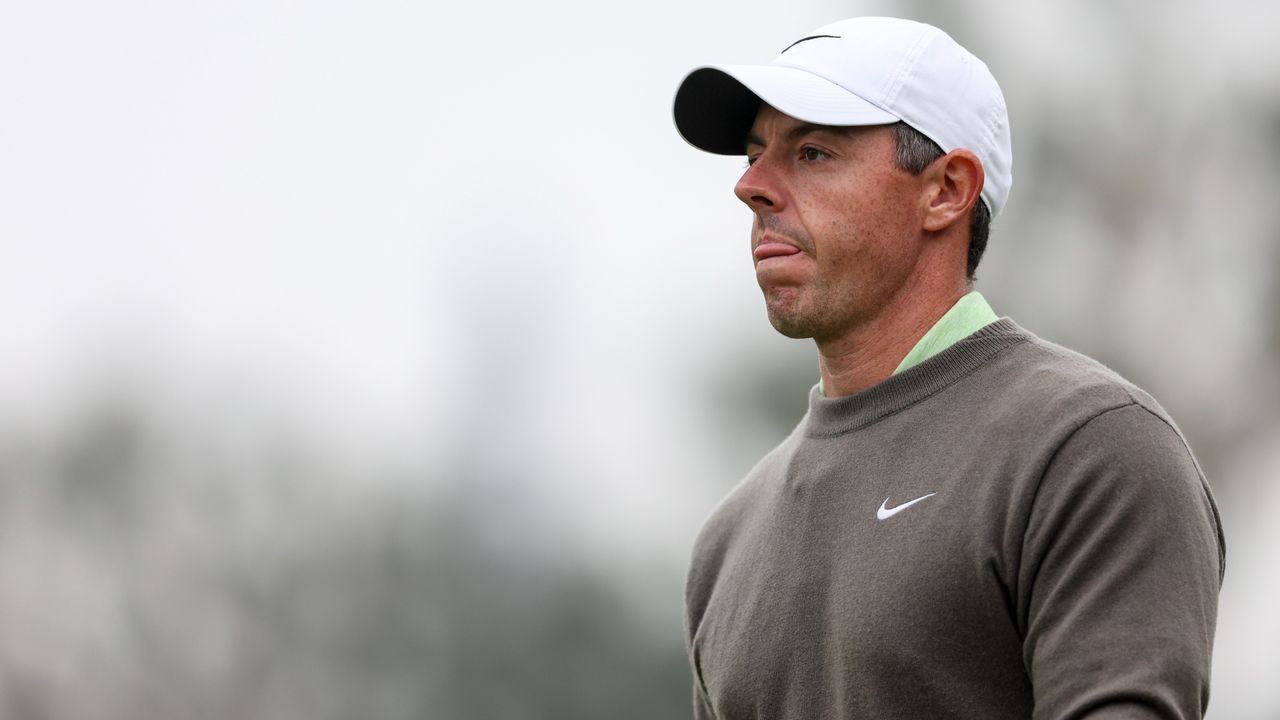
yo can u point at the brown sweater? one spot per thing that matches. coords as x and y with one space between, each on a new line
1007 530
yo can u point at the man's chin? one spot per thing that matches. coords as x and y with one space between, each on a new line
792 312
791 325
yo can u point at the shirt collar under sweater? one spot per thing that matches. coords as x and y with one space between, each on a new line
834 416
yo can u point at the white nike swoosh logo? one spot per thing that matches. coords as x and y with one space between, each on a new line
884 513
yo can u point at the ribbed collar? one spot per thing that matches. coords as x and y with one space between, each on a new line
834 416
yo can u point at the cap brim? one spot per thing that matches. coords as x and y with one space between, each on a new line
716 105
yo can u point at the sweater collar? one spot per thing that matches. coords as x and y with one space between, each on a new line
833 416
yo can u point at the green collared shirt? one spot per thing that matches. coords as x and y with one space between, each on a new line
970 314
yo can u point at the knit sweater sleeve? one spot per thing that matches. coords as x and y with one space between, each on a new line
701 706
1118 581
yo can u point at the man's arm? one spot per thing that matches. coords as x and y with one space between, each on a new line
694 606
701 707
1119 578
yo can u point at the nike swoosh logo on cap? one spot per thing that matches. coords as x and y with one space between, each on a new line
885 512
811 37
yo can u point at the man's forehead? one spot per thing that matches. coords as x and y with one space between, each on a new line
772 125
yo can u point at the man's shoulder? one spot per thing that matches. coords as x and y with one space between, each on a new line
1039 376
744 500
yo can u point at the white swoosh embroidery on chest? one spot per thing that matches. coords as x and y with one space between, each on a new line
885 512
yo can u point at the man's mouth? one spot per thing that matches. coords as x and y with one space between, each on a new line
768 250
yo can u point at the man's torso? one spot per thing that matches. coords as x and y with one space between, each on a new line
815 592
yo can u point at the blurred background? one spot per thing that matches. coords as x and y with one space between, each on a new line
382 359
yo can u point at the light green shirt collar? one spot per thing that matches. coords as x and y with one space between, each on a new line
970 314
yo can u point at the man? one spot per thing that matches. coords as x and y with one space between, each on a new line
969 521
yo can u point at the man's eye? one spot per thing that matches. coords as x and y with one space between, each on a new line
812 153
751 160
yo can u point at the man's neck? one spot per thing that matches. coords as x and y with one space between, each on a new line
867 354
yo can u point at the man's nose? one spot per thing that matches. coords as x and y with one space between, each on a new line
759 187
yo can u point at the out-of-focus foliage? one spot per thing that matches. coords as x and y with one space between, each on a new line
147 579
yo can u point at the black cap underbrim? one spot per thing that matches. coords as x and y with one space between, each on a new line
714 112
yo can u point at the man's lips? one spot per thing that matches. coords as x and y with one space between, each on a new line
773 249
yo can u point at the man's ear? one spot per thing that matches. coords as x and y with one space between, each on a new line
952 184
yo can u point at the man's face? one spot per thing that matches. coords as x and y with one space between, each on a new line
837 224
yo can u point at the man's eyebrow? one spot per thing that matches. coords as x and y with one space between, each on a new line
796 132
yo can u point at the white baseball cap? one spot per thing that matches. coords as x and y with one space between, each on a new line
861 71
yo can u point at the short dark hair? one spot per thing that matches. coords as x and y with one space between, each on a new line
915 152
